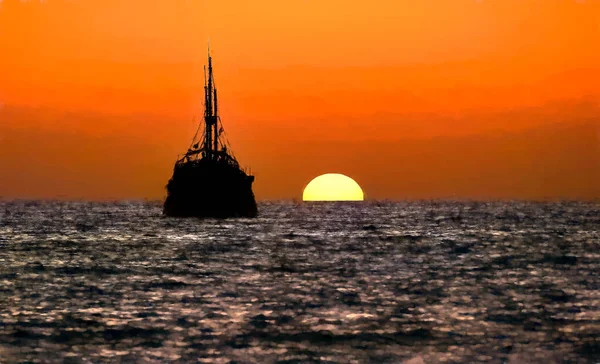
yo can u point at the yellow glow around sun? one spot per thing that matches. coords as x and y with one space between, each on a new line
333 187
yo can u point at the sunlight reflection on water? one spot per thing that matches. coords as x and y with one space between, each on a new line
338 282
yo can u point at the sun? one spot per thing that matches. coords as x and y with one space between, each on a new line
333 187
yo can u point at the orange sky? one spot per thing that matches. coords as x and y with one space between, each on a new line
413 99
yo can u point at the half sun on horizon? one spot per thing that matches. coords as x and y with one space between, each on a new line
333 187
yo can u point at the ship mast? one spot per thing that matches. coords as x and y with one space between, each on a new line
211 137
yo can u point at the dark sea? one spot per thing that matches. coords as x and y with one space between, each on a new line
375 282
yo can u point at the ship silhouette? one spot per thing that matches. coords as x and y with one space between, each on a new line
208 181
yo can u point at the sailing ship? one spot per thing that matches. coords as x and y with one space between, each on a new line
207 180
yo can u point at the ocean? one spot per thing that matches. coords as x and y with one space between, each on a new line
373 282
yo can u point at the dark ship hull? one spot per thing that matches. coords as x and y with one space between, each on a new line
208 188
208 180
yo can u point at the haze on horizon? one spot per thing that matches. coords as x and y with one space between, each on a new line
412 99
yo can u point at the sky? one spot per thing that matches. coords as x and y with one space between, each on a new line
465 99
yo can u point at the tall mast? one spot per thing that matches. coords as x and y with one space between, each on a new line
207 135
211 141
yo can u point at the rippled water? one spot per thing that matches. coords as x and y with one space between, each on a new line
326 282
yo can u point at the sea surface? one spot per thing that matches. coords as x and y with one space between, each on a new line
376 282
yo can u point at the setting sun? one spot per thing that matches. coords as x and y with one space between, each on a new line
333 187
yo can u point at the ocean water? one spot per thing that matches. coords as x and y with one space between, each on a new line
418 282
